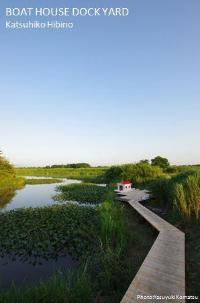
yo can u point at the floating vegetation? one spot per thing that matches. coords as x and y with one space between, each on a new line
83 193
49 232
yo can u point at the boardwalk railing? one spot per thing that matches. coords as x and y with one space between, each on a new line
161 278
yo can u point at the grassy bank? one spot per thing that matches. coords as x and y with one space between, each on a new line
8 187
8 181
42 181
85 174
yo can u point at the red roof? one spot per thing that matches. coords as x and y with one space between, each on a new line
125 182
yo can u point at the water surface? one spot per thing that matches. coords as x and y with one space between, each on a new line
34 195
24 273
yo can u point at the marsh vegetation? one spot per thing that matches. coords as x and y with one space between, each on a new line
102 232
109 241
48 232
176 197
83 193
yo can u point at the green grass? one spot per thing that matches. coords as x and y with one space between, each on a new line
185 194
85 174
114 231
83 193
11 182
42 181
8 187
180 194
126 239
8 181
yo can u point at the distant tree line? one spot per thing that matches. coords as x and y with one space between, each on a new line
157 161
72 165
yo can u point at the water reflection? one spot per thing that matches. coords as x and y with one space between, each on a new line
6 195
31 196
24 273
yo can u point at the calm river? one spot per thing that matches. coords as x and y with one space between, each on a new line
22 273
35 195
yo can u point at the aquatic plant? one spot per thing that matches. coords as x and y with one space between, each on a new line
99 238
48 232
83 193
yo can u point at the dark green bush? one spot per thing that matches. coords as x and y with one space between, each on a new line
138 173
160 190
113 174
160 162
141 173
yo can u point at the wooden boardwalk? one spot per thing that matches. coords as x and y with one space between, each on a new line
162 273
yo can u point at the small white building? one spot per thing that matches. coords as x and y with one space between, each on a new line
124 186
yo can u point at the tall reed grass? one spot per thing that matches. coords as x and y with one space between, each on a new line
186 195
114 228
181 193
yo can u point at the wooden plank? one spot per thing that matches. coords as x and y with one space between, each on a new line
162 273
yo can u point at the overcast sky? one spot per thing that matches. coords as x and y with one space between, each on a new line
112 90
